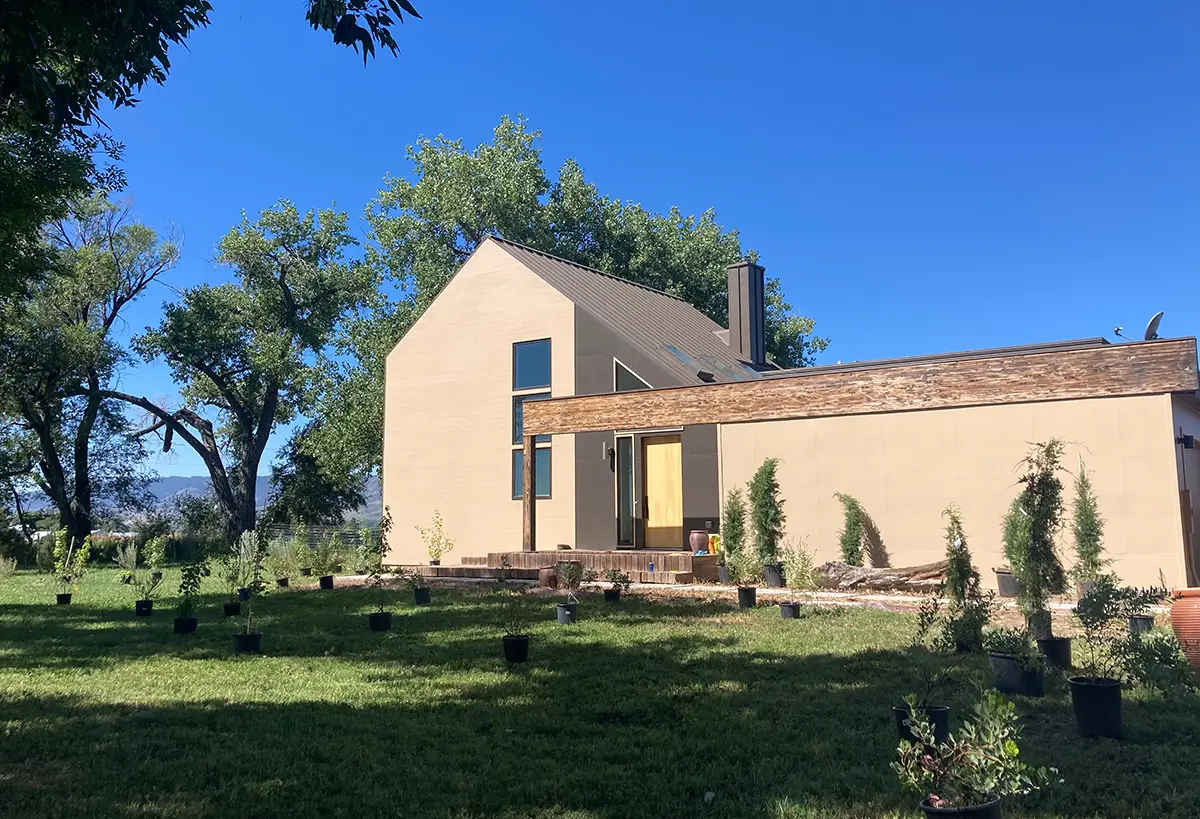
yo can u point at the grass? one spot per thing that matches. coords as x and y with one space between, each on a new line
638 710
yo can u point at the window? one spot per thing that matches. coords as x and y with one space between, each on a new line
518 415
624 379
531 364
541 466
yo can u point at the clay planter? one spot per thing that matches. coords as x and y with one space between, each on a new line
325 581
612 595
306 572
1185 622
247 643
1057 651
185 625
380 620
567 613
232 609
421 596
1007 583
281 582
723 575
1014 678
143 608
773 575
989 811
62 599
1140 623
789 611
938 715
747 597
698 540
516 648
1097 706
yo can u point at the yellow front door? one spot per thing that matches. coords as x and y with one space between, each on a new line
662 456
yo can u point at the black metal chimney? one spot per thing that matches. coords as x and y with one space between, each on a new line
747 314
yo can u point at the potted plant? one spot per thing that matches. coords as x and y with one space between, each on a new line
620 582
1019 667
416 581
236 568
70 564
1087 528
1137 607
373 550
789 610
745 568
767 520
733 532
969 773
969 607
280 561
515 622
1034 553
155 556
126 558
1014 535
933 669
253 548
145 588
1096 692
301 550
437 544
189 592
571 576
325 559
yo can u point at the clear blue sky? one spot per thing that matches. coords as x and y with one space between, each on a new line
924 176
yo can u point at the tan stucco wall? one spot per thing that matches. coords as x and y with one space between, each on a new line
906 467
447 438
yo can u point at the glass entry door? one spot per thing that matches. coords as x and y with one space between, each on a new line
625 492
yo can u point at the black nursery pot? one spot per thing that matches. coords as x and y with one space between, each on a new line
1057 651
773 575
747 597
567 613
1097 706
1014 678
143 608
306 572
326 581
380 620
243 594
1007 583
939 717
281 582
422 595
156 576
516 648
1140 623
789 611
233 609
247 643
723 574
612 595
185 625
435 563
127 579
62 599
989 811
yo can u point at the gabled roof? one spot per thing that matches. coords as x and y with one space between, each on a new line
665 328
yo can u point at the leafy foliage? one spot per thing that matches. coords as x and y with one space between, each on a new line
189 589
979 763
70 560
961 575
745 566
342 17
733 523
1016 643
798 569
376 550
437 542
766 510
302 492
155 552
1036 561
1088 529
127 559
619 580
327 555
514 618
851 537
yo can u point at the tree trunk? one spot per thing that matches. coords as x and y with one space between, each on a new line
913 578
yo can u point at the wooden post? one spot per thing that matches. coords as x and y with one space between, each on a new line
529 495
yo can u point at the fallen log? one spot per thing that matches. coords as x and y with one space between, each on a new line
913 578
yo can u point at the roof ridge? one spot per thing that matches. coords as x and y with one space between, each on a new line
504 241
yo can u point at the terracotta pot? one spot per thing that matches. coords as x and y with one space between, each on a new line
1185 622
699 540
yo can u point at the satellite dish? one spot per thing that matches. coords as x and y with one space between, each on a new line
1152 327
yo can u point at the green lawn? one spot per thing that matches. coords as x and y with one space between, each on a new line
638 710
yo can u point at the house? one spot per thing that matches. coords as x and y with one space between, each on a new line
538 403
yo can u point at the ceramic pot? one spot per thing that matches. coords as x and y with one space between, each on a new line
698 540
1185 622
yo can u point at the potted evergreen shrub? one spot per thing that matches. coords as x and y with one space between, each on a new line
745 569
969 608
1014 533
1019 667
619 582
189 593
373 550
515 622
767 520
437 543
70 564
969 773
1087 528
733 532
1035 557
1096 692
253 546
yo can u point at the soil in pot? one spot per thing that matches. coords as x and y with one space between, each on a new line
612 595
1057 651
306 572
989 811
516 648
723 575
232 609
789 611
1013 677
186 625
247 643
567 613
747 597
939 716
773 575
1007 583
1140 623
143 608
325 581
380 620
422 596
1097 706
62 599
281 582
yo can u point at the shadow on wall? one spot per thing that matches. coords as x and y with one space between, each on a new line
873 542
